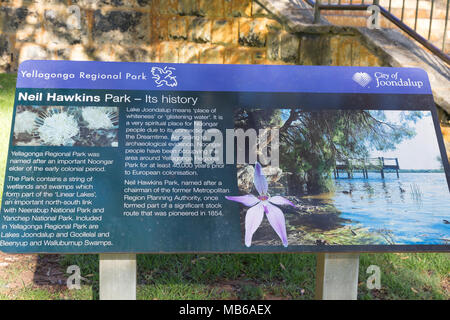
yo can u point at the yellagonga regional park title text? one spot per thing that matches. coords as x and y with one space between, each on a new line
83 75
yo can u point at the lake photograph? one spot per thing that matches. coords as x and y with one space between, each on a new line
364 177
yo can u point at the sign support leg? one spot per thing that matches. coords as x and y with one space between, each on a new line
337 276
117 276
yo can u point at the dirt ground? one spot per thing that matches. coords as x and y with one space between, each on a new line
30 271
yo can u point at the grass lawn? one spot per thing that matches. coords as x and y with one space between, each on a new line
219 276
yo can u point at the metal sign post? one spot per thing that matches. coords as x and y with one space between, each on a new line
117 276
337 276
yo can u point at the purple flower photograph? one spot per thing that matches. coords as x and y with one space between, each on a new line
262 205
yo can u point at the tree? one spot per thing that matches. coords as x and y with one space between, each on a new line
311 142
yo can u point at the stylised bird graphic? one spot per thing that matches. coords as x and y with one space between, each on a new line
164 76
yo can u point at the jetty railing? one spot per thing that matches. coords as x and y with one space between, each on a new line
366 165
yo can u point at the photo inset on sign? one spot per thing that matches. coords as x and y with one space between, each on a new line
349 177
66 126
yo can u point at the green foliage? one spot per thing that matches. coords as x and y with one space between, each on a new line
46 293
214 276
407 276
254 276
311 142
251 292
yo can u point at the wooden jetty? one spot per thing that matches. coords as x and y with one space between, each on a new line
379 164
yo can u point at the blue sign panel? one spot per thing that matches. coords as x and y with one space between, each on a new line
143 157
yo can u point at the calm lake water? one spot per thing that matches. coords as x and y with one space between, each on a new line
408 210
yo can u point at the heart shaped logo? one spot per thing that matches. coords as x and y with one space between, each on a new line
362 78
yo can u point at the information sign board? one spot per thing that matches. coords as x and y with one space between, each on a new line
141 157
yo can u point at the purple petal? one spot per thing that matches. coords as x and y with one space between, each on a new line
259 180
276 220
248 200
279 200
253 220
